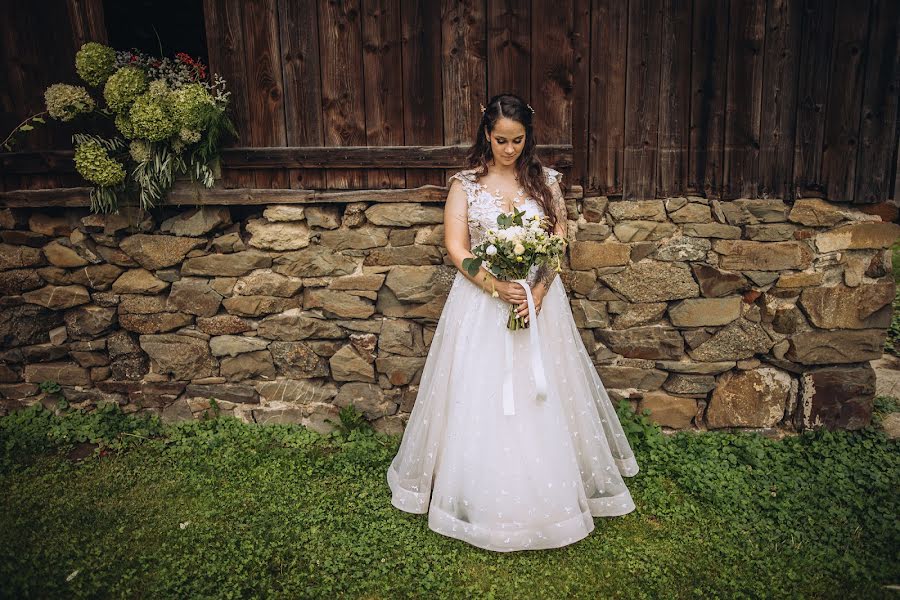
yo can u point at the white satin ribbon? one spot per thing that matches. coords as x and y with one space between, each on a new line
537 358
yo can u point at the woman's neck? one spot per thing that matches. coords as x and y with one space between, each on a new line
502 170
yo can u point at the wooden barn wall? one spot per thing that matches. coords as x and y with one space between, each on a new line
737 98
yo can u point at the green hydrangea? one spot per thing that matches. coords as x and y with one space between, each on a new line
159 90
123 87
189 135
65 102
95 165
139 150
190 105
151 116
95 63
123 124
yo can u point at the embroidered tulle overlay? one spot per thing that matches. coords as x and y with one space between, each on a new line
502 482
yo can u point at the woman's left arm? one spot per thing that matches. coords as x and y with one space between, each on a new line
547 273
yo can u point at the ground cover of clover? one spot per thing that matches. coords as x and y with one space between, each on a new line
222 509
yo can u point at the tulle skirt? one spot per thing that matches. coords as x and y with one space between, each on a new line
531 480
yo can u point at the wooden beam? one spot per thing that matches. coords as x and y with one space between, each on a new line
301 157
193 194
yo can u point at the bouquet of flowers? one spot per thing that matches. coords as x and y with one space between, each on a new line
169 116
513 248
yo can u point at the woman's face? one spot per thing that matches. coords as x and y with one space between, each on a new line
507 140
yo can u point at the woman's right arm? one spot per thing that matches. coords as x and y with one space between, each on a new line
458 244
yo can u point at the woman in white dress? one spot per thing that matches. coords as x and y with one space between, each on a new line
535 478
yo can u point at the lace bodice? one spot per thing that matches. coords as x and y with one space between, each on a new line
484 207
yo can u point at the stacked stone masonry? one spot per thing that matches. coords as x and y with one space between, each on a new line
745 313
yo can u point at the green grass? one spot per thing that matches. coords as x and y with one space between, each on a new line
892 343
221 509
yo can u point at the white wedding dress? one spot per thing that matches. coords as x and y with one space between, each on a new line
530 480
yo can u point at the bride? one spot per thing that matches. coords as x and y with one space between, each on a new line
491 461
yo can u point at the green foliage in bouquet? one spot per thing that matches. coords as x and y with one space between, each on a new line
513 248
170 118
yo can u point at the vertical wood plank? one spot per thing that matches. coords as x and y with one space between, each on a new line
383 81
265 84
581 52
423 123
342 85
842 119
299 27
551 71
225 48
743 98
779 97
674 97
464 68
879 105
609 22
87 21
642 99
708 61
816 47
28 35
509 48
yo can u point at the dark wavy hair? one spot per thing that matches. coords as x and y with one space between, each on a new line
529 169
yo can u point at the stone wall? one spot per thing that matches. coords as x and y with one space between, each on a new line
747 313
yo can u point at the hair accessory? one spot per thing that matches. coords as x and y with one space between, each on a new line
529 108
482 107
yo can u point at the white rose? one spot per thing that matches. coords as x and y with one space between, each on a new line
491 250
518 249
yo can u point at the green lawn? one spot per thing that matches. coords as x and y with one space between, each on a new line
221 509
892 343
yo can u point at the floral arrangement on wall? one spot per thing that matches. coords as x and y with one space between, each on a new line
169 115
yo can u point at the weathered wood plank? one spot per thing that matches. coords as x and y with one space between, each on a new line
342 84
509 47
87 21
265 87
192 194
464 68
609 26
879 105
709 52
581 94
299 26
310 157
674 98
29 34
423 122
779 99
551 71
642 99
816 56
383 71
225 47
743 98
845 94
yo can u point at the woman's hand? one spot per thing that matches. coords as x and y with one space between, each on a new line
510 292
537 292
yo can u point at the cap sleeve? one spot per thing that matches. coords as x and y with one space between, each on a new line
553 176
466 178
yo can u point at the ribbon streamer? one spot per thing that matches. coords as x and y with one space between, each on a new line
537 358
